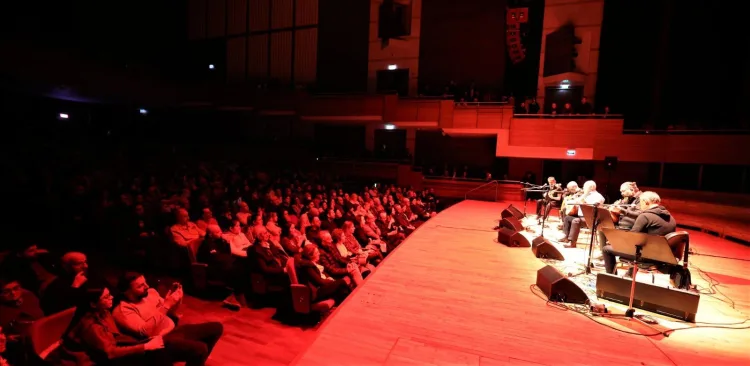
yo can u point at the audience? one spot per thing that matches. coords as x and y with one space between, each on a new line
234 221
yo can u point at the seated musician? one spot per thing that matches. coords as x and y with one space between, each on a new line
624 211
654 220
572 223
552 198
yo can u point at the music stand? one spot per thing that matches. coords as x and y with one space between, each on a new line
640 246
598 217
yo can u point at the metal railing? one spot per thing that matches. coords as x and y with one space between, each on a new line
569 116
496 184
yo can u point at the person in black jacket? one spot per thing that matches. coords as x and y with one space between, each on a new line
65 291
312 274
653 220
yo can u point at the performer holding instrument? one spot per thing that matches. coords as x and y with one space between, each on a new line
572 193
551 198
572 223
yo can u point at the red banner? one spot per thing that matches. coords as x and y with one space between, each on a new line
515 17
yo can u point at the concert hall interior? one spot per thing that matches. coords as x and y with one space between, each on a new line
375 182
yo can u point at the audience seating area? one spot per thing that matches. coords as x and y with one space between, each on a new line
295 242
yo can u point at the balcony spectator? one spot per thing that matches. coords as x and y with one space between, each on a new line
553 110
585 107
533 107
567 109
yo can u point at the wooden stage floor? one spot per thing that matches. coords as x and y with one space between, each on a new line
450 295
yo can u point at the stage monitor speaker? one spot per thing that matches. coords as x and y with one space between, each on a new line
542 248
610 163
511 223
673 302
512 238
512 212
559 288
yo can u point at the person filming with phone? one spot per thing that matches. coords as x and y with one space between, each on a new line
143 313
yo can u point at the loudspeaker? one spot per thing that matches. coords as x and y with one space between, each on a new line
512 212
610 162
559 288
542 248
511 223
676 303
512 238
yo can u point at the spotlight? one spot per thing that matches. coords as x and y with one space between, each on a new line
390 127
211 66
392 67
143 111
63 116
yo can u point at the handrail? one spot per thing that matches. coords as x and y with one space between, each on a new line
496 182
543 115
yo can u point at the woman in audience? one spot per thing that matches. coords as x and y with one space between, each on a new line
237 240
313 274
92 338
273 227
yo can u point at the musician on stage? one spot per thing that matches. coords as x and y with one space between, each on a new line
624 211
572 222
654 219
552 198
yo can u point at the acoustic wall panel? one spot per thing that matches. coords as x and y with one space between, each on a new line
305 55
258 15
282 13
236 59
257 56
237 17
281 55
196 21
217 18
306 12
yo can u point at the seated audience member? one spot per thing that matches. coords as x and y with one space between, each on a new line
223 265
207 219
26 263
572 224
65 290
18 307
334 263
402 220
654 219
143 313
238 241
186 233
3 344
244 214
273 228
389 230
354 246
93 338
312 232
312 274
269 259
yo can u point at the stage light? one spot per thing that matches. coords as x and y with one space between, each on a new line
390 127
565 84
571 152
211 66
63 116
143 111
392 67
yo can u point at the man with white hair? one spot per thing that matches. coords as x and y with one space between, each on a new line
654 219
572 224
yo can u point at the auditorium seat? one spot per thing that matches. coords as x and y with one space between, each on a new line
301 294
46 333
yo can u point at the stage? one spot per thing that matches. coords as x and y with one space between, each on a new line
450 294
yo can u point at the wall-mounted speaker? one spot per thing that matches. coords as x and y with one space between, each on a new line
511 223
542 248
512 238
512 212
559 288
